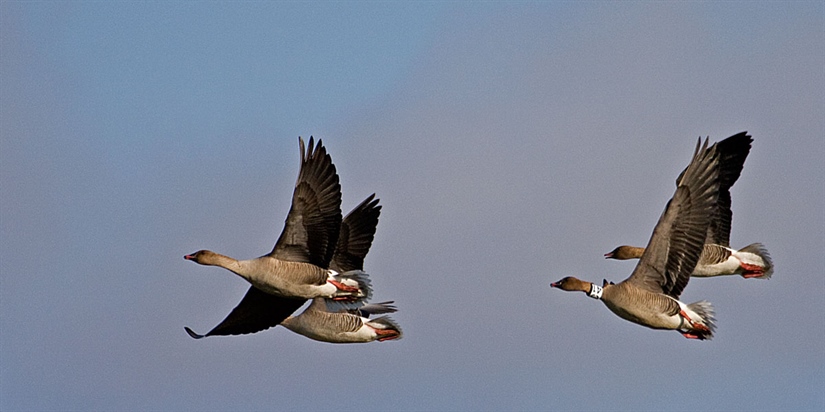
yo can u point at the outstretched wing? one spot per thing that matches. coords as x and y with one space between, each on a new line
314 220
257 311
356 236
678 238
732 154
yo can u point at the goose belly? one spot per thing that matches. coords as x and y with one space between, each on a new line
644 316
729 266
363 334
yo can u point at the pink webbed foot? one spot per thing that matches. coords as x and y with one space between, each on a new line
386 334
342 287
751 271
387 338
698 326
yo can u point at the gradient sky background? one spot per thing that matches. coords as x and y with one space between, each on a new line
511 144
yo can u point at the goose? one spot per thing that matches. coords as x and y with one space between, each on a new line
320 323
649 297
335 325
297 268
717 258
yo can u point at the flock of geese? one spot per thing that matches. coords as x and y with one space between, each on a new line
320 256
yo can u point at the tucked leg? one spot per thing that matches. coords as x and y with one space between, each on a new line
342 287
698 326
751 271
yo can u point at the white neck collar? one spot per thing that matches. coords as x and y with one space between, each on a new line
595 291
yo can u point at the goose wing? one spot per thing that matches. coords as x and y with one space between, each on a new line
257 311
677 240
314 220
356 236
732 154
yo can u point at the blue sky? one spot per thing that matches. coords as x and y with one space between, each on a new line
511 144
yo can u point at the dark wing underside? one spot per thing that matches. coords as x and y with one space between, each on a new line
732 154
257 311
678 237
356 236
314 220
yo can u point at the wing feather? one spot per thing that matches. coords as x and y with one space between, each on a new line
732 154
678 238
314 220
257 311
356 236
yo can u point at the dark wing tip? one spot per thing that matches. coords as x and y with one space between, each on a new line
369 203
192 333
310 150
302 148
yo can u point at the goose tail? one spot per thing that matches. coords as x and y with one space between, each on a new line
386 328
755 261
703 320
379 308
354 290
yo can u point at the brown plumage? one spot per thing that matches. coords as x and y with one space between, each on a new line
649 297
297 268
319 323
335 325
717 258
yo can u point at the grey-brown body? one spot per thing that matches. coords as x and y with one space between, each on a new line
335 325
752 261
718 258
319 323
649 297
274 276
297 268
654 310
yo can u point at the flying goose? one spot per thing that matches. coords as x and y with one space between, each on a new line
297 268
335 325
717 258
319 323
649 297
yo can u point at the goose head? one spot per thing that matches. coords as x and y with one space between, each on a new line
625 253
203 257
572 284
